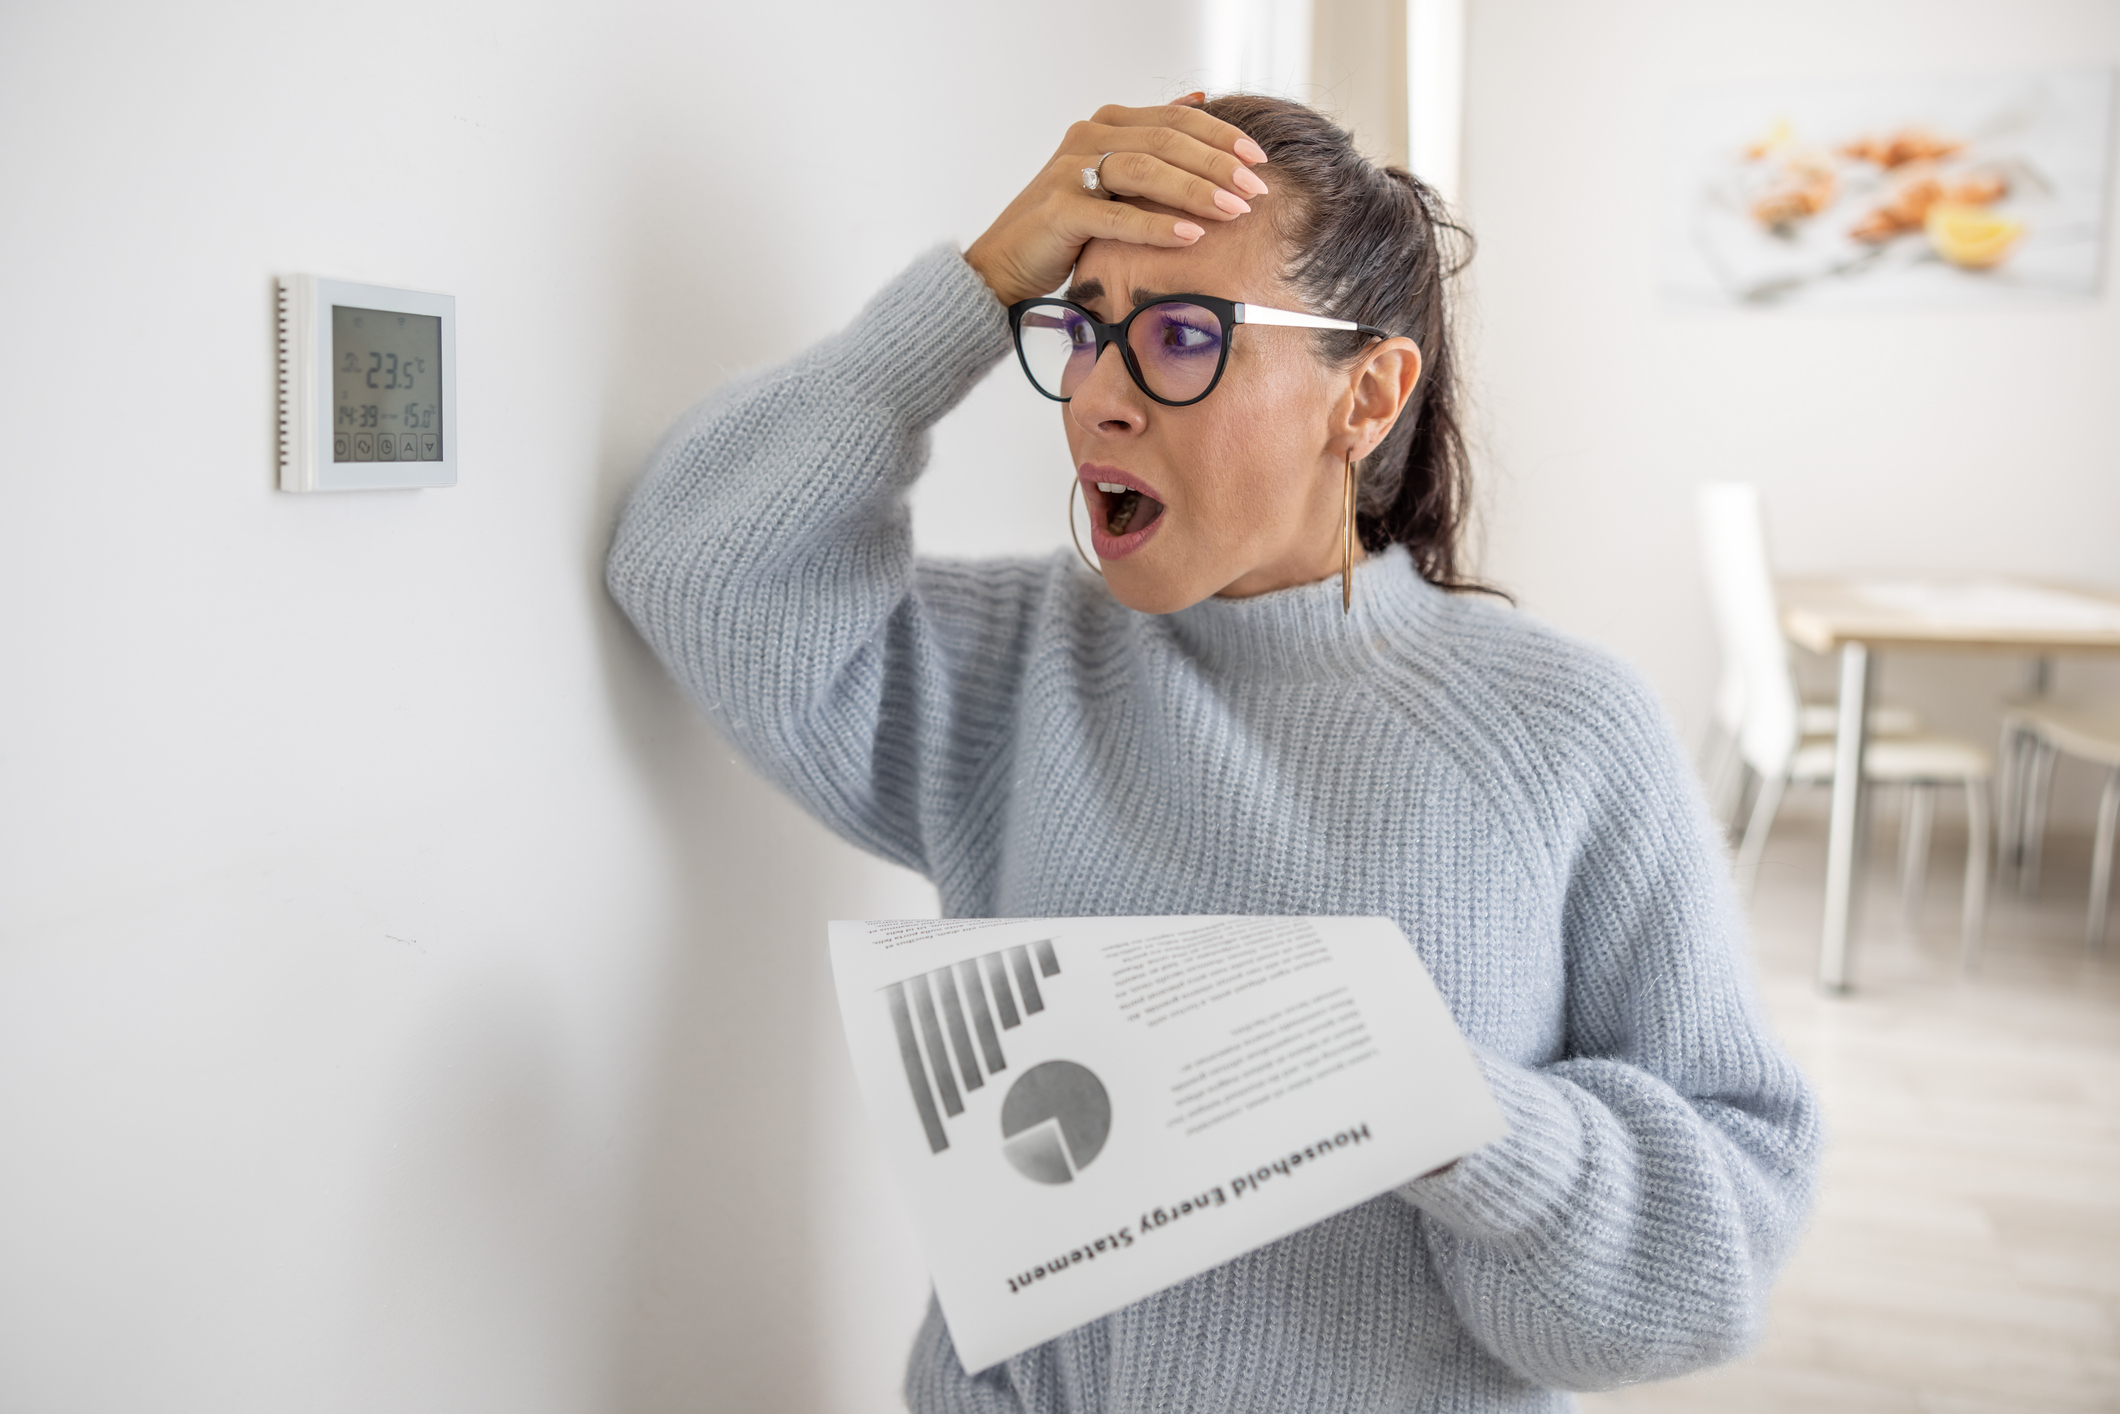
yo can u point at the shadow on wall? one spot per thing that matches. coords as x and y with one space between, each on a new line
719 1314
721 1309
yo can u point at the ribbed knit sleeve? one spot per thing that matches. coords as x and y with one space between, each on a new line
767 557
1657 1175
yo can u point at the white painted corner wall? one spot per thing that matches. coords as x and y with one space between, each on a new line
405 1001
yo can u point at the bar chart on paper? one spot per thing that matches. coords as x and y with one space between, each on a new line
981 996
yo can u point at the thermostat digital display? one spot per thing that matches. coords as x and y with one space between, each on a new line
386 375
367 386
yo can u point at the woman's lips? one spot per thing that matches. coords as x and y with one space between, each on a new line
1124 510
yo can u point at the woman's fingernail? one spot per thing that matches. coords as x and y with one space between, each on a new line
1247 181
1187 231
1250 151
1233 204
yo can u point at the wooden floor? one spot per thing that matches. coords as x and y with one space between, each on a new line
1964 1257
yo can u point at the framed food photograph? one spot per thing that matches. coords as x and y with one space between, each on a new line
1949 192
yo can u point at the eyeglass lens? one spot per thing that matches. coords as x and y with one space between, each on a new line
1176 346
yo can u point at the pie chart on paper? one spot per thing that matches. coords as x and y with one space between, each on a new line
1054 1121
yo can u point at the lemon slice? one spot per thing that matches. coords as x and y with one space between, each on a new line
1972 237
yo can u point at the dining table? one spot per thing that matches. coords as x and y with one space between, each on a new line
1862 617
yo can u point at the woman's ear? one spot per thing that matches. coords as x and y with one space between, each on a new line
1379 386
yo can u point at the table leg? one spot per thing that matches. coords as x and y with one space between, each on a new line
1845 839
2013 774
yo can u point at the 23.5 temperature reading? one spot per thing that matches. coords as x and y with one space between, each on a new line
384 371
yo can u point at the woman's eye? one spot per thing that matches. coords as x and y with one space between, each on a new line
1186 338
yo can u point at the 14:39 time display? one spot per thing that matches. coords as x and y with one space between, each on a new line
412 416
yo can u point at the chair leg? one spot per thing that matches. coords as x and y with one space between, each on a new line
1724 776
1976 868
1764 806
2038 781
1744 790
1914 849
2009 810
2102 861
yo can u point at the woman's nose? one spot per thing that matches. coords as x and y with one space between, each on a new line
1107 401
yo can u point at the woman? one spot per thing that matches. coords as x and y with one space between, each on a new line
1274 702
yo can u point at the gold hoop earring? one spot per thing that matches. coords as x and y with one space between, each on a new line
1346 541
1074 489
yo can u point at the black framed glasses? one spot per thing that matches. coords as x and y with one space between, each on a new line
1175 347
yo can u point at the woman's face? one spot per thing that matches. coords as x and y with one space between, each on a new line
1240 493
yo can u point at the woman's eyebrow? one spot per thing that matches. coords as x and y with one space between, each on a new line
1089 290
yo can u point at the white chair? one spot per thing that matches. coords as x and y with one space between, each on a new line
2090 734
1731 536
1773 744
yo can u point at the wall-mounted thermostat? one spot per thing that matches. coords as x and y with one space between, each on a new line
367 386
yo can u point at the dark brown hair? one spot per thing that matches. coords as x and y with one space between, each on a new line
1376 245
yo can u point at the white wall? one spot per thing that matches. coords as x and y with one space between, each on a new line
1917 441
404 1001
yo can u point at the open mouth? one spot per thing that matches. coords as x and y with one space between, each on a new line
1125 509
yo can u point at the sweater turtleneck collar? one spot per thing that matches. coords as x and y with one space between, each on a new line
1301 632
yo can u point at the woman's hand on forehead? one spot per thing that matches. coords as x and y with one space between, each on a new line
1186 162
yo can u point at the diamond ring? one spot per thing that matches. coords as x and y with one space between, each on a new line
1093 180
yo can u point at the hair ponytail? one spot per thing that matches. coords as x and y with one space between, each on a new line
1376 245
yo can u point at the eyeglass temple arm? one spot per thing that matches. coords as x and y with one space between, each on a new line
1260 314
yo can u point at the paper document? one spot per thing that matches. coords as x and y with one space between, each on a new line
1083 1111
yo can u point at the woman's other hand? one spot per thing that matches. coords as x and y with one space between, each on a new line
1176 156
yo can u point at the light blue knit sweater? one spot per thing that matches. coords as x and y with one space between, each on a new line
1515 799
